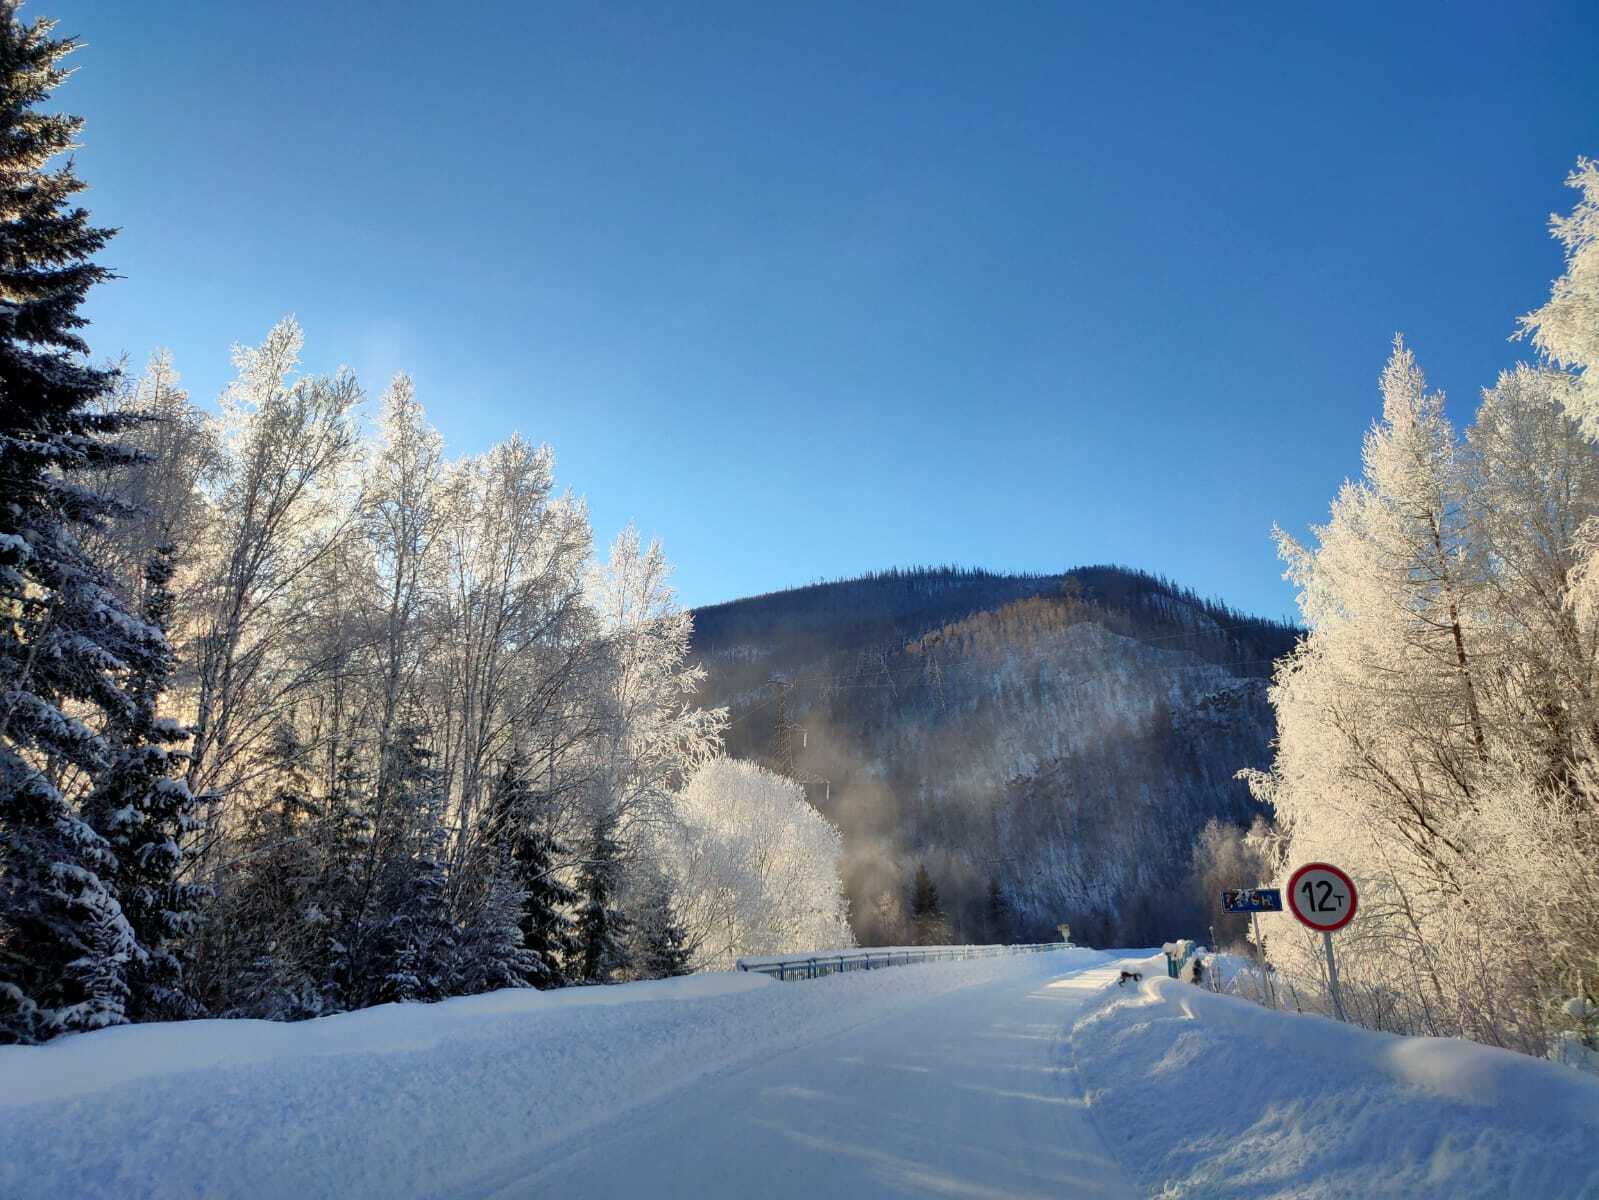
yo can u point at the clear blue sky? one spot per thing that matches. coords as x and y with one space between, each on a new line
811 289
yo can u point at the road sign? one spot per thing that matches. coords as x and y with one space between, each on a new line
1251 900
1322 896
1255 901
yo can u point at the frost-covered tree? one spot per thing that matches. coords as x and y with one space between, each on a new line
1534 488
654 733
1223 857
754 868
1389 668
513 664
68 636
1382 736
163 493
282 512
404 517
1438 729
1566 329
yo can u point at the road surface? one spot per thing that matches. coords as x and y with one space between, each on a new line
971 1094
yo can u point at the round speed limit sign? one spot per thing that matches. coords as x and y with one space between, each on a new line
1322 896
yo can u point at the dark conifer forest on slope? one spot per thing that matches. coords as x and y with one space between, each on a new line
1048 747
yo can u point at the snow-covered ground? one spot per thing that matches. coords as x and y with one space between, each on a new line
1213 1096
1025 1076
427 1100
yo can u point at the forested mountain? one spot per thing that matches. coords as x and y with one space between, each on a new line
1047 746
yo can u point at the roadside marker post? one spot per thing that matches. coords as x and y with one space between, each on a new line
1323 897
1265 973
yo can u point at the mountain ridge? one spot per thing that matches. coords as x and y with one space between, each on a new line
1047 746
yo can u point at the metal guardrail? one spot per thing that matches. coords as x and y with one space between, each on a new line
814 966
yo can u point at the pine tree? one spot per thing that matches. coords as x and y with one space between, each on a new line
601 929
338 916
997 914
529 855
927 914
263 948
67 636
144 813
659 936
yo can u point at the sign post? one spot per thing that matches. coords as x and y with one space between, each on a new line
1255 901
1265 975
1324 899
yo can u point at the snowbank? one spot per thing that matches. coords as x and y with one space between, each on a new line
1208 1095
76 1066
410 1100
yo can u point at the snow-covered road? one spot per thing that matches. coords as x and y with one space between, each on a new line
968 1094
945 1068
1022 1076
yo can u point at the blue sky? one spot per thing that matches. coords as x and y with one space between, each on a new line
808 290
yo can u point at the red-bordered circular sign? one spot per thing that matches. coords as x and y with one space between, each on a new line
1322 896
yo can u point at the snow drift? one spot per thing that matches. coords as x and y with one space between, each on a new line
1209 1095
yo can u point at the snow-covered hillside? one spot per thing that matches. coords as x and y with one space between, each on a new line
1047 748
1025 1076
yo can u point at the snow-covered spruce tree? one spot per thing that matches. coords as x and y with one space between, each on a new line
67 637
490 952
411 951
340 917
146 814
520 846
264 950
602 930
659 949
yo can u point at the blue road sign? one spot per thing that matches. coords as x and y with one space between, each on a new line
1252 900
